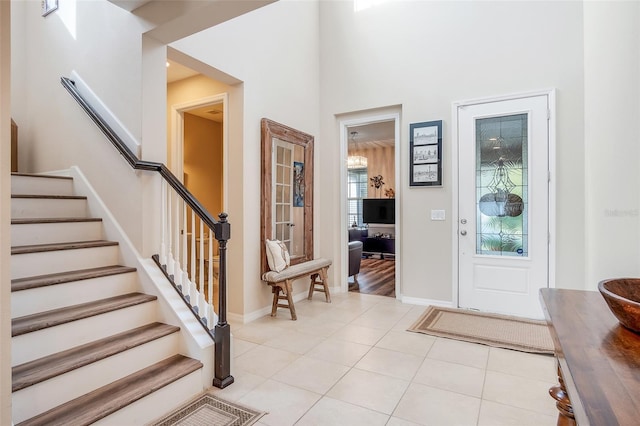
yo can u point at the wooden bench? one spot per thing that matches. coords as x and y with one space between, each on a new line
282 282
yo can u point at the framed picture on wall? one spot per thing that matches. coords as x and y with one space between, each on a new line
425 149
298 184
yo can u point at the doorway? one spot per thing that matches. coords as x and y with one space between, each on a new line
505 215
371 183
202 154
198 148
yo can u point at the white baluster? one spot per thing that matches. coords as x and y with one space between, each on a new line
185 245
163 231
201 259
170 262
177 277
176 238
210 269
202 306
193 258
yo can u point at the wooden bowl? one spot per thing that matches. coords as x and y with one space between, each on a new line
623 297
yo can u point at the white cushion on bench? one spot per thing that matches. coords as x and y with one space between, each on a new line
277 255
295 271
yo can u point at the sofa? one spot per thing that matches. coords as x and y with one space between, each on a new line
356 239
355 257
358 234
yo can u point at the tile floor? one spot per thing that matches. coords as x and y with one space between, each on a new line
352 362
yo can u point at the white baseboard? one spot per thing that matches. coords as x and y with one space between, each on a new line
426 302
252 316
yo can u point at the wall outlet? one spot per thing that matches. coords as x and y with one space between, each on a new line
437 215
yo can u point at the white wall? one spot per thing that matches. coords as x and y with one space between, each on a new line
18 61
110 49
303 62
5 214
81 35
612 139
274 52
54 133
426 55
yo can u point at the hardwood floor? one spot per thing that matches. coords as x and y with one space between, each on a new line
377 276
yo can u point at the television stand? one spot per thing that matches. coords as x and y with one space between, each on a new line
381 246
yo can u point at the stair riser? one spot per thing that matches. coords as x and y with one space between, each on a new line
50 233
37 344
29 185
158 403
33 264
47 207
27 302
43 396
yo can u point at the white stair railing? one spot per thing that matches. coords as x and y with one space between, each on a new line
189 261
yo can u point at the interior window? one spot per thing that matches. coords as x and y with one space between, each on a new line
356 191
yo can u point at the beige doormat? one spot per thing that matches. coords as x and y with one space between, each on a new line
209 410
501 331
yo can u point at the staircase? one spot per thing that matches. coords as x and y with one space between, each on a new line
87 346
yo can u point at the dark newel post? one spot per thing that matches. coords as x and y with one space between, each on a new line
222 331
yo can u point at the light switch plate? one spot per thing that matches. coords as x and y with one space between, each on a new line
437 215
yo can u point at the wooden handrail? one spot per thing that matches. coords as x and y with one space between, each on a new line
221 229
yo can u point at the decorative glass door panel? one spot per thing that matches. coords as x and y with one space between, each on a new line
502 185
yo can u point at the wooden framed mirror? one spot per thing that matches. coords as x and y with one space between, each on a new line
287 191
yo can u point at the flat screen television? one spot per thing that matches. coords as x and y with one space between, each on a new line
379 210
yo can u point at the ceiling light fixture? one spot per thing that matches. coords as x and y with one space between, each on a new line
356 162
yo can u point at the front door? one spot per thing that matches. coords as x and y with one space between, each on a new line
503 214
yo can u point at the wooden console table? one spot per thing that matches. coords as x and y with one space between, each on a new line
598 360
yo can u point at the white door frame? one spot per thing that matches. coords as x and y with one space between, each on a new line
177 142
551 96
344 239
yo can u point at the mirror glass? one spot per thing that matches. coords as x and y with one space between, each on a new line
287 190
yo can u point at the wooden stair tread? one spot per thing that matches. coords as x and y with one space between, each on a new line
45 368
27 283
28 221
38 248
104 401
41 176
49 197
42 320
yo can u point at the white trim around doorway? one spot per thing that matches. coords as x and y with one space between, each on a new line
455 106
344 124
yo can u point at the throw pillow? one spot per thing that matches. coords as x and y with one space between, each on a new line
277 255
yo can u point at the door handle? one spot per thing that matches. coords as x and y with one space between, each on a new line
463 232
